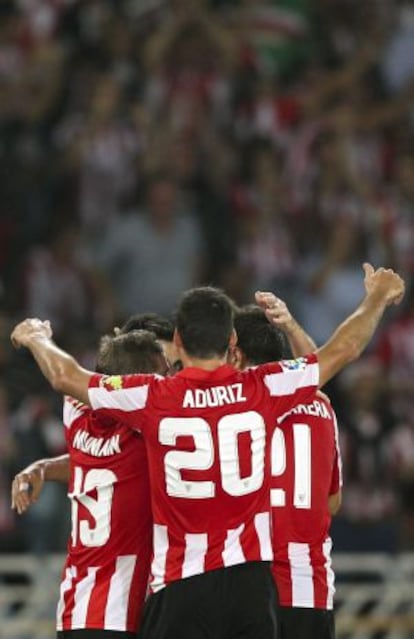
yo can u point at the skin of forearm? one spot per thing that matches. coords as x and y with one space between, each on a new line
56 468
351 337
60 369
299 341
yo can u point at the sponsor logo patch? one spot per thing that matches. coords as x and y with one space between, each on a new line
298 364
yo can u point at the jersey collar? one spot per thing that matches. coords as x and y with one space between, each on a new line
199 373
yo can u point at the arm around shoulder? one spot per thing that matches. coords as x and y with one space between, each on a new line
28 483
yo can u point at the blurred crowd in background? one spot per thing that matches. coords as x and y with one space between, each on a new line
147 146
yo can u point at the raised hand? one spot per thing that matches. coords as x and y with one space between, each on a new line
384 282
276 310
29 328
279 315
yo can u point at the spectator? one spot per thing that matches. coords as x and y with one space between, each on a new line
145 245
59 287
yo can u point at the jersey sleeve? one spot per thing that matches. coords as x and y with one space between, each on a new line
123 397
336 480
291 382
72 411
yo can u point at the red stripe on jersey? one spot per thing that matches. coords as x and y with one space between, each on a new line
320 585
175 560
250 544
138 592
65 603
97 602
283 578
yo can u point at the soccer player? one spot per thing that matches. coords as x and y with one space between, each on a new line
114 353
306 486
27 484
105 577
205 432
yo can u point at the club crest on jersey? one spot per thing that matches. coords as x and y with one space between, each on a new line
111 382
298 364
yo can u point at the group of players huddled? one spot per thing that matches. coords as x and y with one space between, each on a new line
203 469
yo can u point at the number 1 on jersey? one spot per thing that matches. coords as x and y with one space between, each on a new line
302 462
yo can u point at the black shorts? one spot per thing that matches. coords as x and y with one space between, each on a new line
235 602
88 633
305 623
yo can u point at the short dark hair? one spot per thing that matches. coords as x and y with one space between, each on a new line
259 341
162 327
127 353
204 320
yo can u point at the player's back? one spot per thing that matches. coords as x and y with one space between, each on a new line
106 572
211 464
305 472
206 434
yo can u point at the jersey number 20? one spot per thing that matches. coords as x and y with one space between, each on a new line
229 428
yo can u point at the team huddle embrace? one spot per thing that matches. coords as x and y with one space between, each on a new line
203 469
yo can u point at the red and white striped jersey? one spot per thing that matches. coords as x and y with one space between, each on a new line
105 578
306 470
205 433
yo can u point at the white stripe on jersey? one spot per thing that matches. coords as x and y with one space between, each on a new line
159 562
233 552
71 412
262 525
82 596
195 552
338 450
126 399
70 574
330 575
286 382
303 453
116 611
301 574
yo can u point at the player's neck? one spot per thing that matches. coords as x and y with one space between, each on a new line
204 364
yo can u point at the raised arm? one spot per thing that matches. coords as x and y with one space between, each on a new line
61 369
27 485
299 341
383 288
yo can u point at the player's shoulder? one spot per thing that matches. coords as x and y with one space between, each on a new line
74 410
122 382
285 366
